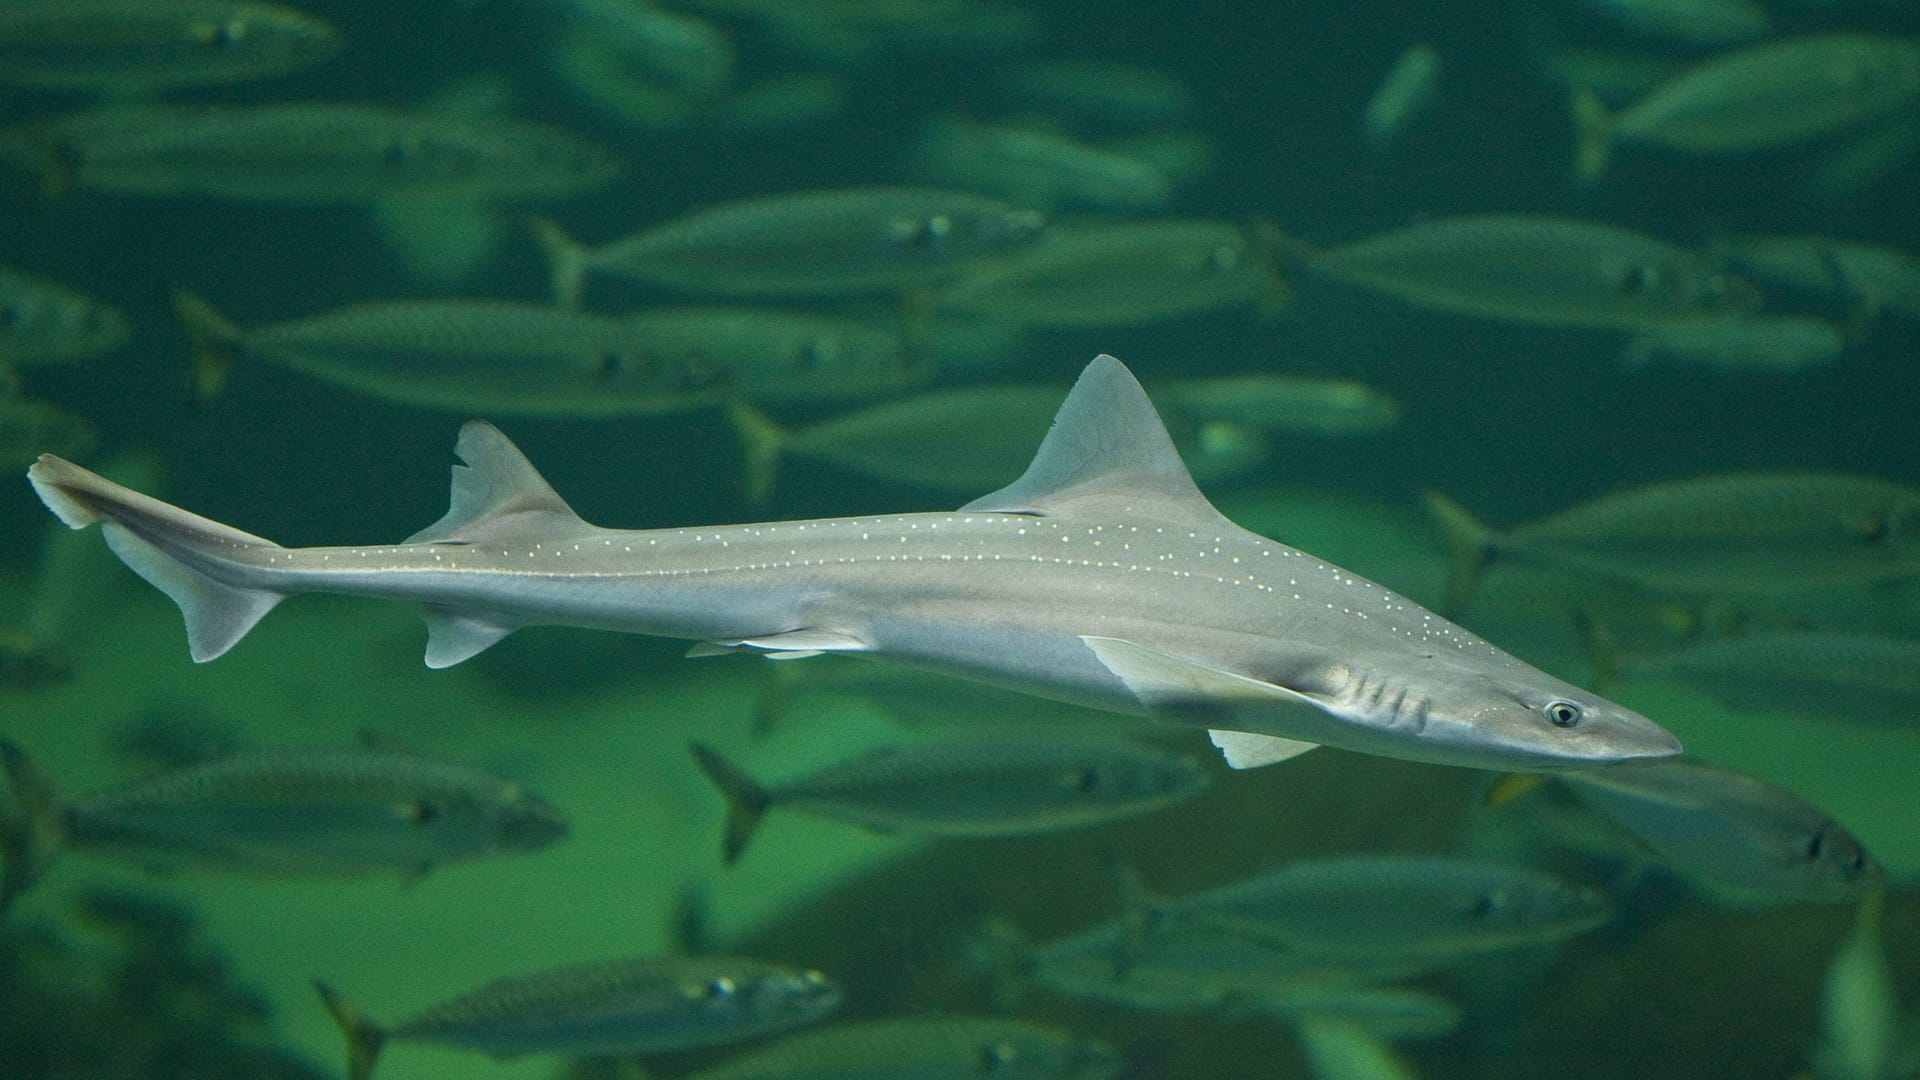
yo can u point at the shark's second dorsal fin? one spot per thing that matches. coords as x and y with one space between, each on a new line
497 490
1106 443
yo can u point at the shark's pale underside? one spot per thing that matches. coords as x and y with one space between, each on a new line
1101 577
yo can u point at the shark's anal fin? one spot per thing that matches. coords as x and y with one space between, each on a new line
786 645
1180 691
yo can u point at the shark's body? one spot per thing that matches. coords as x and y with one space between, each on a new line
1102 577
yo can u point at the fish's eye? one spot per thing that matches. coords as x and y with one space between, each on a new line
1639 280
220 35
1562 713
420 812
996 1057
719 989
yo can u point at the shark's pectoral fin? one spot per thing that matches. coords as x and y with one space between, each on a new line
786 645
1245 750
454 636
1180 691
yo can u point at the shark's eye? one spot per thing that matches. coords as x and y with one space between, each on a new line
1562 713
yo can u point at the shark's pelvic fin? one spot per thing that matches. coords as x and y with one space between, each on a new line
496 493
1107 444
787 645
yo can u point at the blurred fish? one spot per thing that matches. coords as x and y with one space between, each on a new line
820 243
444 240
1119 274
847 34
1866 279
1534 268
1864 159
1704 24
680 53
926 1048
961 439
645 1006
1404 97
44 322
27 666
1295 404
1739 343
305 153
503 356
139 46
1038 167
28 427
1731 831
1267 649
1613 77
1338 1049
1771 95
1735 533
1098 94
965 787
1829 674
1395 910
312 811
1860 1005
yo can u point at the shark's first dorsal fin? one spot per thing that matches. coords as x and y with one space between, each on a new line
496 487
1107 442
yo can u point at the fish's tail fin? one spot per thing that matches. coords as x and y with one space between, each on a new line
1281 257
566 262
151 537
32 828
1593 137
365 1039
1140 912
761 443
1471 543
214 338
747 798
1602 647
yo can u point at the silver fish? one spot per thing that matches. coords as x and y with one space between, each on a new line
1533 268
1864 678
306 152
1101 577
125 46
1774 94
644 1006
325 811
1867 279
817 243
1120 274
1404 97
1038 167
1739 533
1739 343
1731 829
926 1048
965 787
44 322
537 360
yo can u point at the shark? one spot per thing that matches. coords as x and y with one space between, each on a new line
1101 577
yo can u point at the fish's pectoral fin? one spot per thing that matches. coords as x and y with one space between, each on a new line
1246 750
1179 691
785 645
453 636
497 491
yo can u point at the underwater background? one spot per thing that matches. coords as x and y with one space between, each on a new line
110 971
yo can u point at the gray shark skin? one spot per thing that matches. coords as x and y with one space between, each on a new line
1101 577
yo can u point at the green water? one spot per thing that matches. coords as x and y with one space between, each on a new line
1512 421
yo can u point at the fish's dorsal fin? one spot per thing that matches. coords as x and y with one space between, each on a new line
497 486
1106 443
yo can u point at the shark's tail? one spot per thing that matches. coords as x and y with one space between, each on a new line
1472 543
365 1039
32 826
761 442
747 798
215 340
152 537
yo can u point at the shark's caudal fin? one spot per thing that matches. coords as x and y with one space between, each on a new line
497 495
152 537
1107 445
